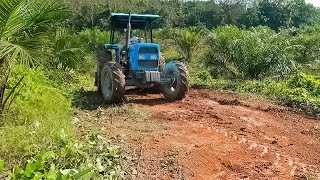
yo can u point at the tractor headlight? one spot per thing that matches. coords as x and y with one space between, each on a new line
154 57
142 57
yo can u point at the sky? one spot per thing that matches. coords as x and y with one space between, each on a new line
314 2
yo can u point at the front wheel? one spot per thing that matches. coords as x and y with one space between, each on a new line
112 82
178 86
103 56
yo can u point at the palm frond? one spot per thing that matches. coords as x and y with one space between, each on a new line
15 52
46 12
13 17
66 51
25 25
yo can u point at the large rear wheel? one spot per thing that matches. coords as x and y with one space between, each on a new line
178 86
112 82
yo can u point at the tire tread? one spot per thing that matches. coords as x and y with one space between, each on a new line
118 82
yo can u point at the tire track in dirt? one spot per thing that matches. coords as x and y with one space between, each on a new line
214 135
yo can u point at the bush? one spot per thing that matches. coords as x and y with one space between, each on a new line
75 51
67 52
304 81
304 92
307 42
248 54
301 91
70 81
73 160
181 43
93 38
199 75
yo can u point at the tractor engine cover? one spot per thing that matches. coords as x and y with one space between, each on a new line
144 57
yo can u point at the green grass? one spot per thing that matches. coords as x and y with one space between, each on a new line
37 116
38 135
301 91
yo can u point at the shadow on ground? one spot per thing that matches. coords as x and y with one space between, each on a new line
145 97
149 102
91 100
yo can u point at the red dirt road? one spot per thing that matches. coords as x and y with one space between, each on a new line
213 135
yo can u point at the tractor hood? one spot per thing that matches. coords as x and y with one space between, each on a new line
144 56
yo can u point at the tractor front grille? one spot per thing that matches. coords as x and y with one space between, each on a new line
148 63
152 50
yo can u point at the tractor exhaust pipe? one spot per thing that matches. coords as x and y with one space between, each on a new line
128 31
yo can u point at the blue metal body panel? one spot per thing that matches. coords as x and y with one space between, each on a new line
111 46
116 47
136 55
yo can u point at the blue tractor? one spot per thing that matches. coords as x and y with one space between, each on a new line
137 63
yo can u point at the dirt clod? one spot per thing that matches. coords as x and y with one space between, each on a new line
233 102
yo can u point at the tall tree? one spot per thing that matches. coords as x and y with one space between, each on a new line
285 13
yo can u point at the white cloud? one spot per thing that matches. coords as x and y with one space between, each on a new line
314 2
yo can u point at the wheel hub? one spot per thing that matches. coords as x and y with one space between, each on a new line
107 84
173 80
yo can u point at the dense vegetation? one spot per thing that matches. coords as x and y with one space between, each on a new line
212 13
47 56
283 65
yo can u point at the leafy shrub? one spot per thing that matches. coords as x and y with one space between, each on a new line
164 37
188 40
201 78
69 81
301 91
67 52
304 92
307 42
93 38
73 160
181 43
248 54
307 82
92 41
199 75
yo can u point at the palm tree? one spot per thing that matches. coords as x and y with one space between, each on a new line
188 40
24 27
67 51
